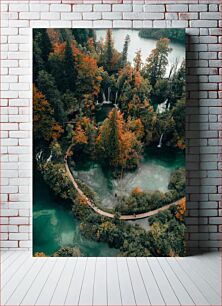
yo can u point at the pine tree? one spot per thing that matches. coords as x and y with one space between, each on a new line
45 126
118 145
46 45
138 61
41 50
125 51
46 84
157 61
109 50
69 67
115 126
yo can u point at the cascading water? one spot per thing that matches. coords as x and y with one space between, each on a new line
115 103
160 141
104 97
38 156
161 108
49 158
109 91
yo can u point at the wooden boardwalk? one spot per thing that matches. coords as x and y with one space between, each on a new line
194 280
104 213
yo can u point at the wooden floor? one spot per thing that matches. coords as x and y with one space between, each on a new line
191 280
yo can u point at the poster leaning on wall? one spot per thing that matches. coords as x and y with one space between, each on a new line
109 142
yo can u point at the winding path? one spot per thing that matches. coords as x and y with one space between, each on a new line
104 213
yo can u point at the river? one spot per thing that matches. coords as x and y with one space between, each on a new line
54 226
145 44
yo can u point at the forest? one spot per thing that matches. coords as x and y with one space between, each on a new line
89 97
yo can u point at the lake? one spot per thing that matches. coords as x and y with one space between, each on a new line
152 174
145 44
54 225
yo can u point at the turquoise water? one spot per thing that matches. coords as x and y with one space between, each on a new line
152 174
145 44
54 225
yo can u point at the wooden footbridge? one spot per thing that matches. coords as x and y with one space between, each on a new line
104 213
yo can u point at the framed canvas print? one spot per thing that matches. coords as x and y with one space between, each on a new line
109 142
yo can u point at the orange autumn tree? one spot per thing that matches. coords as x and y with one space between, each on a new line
89 76
181 209
45 127
84 135
117 144
79 135
40 254
87 73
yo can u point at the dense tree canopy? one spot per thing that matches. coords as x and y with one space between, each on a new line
76 77
117 143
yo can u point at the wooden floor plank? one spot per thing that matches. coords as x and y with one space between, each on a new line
13 269
113 285
100 284
4 255
181 293
112 281
211 261
139 288
61 290
152 288
17 278
165 287
35 289
208 292
127 294
46 294
213 279
75 286
86 294
187 282
10 261
21 290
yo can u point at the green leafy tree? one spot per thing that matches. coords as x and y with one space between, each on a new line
174 34
68 252
82 35
178 181
157 61
45 126
110 58
46 84
70 104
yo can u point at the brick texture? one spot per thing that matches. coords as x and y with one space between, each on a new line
202 21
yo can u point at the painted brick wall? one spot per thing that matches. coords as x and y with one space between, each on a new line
201 19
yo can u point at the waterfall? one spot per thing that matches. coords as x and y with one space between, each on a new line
115 103
160 141
49 158
109 90
116 96
104 97
38 155
162 107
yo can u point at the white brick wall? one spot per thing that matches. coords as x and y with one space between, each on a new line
200 17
